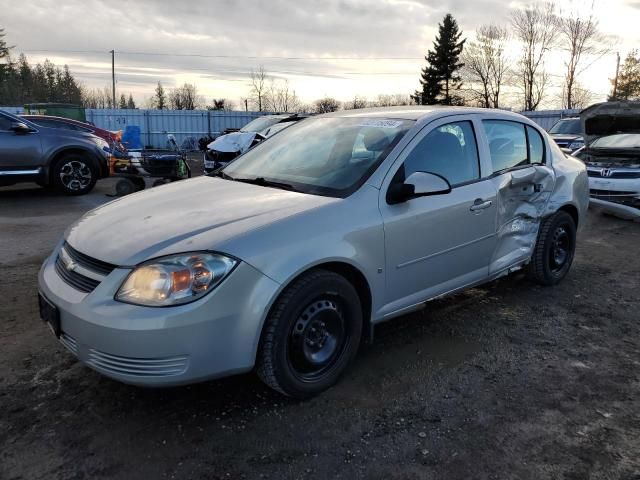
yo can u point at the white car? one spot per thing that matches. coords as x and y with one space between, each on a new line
227 147
338 223
612 157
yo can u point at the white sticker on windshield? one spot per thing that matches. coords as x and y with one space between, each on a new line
381 123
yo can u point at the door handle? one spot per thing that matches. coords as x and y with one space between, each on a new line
480 204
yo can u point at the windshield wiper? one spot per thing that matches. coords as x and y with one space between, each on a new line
221 174
263 182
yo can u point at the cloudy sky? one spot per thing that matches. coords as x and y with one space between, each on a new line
338 48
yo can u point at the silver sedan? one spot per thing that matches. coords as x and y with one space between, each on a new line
284 260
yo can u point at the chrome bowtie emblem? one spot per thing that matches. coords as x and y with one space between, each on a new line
69 264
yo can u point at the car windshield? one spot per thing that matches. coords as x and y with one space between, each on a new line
325 155
622 140
260 124
569 126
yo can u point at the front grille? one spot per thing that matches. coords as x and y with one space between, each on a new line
613 174
77 281
137 367
87 262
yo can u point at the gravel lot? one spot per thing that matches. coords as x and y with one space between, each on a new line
510 380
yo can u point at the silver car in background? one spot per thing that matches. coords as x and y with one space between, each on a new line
338 223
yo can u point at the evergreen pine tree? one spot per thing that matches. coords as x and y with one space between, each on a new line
130 103
440 78
123 101
160 99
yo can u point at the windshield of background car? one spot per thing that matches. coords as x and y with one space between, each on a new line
324 156
260 124
622 140
567 127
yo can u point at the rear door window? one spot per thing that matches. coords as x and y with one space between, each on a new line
507 144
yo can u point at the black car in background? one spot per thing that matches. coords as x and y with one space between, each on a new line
567 133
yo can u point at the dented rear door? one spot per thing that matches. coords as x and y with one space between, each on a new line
524 181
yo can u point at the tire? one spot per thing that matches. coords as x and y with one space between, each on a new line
554 250
74 174
311 335
125 186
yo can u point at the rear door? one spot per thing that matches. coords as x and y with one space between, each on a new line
438 243
523 182
18 151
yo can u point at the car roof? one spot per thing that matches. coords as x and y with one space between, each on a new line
419 112
53 117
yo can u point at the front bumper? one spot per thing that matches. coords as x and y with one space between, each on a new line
215 336
618 196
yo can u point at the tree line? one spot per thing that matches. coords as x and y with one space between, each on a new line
480 71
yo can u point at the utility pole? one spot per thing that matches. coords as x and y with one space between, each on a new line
615 81
246 105
113 75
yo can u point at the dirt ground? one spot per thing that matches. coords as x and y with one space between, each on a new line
510 380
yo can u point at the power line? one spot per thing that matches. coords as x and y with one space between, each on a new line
202 55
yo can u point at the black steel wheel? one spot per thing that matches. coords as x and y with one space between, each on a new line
311 335
553 253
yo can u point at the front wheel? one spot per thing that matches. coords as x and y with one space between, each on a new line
554 250
74 175
311 335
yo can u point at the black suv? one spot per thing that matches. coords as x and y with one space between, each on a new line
67 160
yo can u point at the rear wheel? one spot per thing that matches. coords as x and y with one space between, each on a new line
311 335
74 174
554 250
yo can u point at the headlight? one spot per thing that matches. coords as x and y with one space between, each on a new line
175 280
576 144
102 144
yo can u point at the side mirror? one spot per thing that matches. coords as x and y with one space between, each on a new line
19 127
418 184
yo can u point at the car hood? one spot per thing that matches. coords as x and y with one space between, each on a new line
609 118
563 137
233 142
190 215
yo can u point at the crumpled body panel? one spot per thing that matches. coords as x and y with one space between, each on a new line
522 198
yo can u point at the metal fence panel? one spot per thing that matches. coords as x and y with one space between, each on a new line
13 110
156 124
546 118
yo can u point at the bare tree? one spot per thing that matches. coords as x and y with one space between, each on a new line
584 43
357 102
258 87
536 27
280 97
386 100
486 65
184 98
580 97
326 105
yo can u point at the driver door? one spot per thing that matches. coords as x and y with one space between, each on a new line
438 243
18 150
